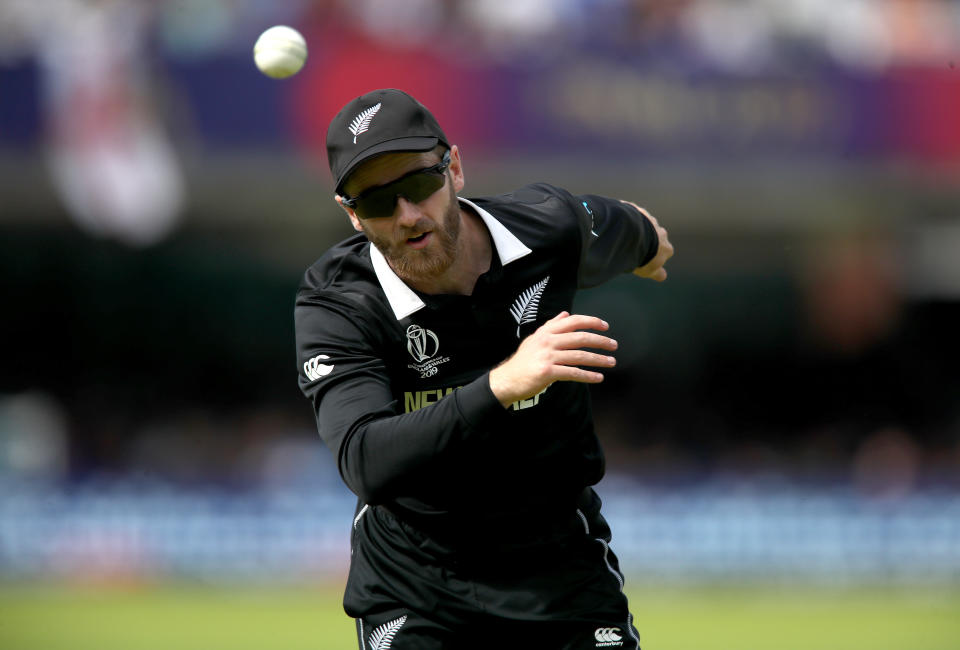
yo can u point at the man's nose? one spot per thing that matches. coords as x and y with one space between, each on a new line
407 212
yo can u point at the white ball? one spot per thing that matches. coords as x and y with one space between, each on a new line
280 52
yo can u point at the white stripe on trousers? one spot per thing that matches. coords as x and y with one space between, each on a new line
616 574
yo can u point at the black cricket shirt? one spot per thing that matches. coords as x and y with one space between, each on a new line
399 379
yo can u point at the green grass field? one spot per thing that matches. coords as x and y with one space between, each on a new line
48 617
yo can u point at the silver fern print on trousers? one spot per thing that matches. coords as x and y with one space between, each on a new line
524 309
362 121
382 637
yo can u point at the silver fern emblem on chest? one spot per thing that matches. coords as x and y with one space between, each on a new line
524 309
382 637
362 121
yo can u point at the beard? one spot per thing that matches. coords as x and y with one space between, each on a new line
411 264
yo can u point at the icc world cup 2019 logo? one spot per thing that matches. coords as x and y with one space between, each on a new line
421 343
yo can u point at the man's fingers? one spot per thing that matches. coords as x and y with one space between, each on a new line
583 358
654 268
667 248
652 271
581 339
570 323
572 373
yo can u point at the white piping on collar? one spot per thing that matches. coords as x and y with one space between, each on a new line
404 301
402 298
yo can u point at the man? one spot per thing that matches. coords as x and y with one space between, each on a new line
448 377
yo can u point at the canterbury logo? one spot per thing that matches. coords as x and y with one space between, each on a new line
608 636
362 121
524 309
421 343
314 370
382 637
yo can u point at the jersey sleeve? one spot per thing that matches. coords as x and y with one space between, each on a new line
378 450
615 238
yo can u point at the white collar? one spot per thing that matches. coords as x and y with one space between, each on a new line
405 301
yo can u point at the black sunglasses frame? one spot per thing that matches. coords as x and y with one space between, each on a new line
390 189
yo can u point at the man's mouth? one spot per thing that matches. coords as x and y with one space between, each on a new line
419 241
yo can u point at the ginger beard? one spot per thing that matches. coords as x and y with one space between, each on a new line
427 263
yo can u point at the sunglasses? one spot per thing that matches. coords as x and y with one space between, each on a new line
416 186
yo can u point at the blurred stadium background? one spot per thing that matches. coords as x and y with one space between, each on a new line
783 428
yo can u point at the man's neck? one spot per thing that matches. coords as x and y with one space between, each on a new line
474 251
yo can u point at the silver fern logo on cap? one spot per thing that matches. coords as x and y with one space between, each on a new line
362 121
524 309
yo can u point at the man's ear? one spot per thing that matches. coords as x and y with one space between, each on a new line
456 169
354 219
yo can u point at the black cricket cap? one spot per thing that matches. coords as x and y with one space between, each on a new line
380 121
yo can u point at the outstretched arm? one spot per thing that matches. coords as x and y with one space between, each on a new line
618 237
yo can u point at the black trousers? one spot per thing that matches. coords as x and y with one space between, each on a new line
407 591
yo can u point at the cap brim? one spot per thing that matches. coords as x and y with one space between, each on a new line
414 144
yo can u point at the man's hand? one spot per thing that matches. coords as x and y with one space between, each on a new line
654 268
552 353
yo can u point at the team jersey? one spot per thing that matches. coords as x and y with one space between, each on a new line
399 382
